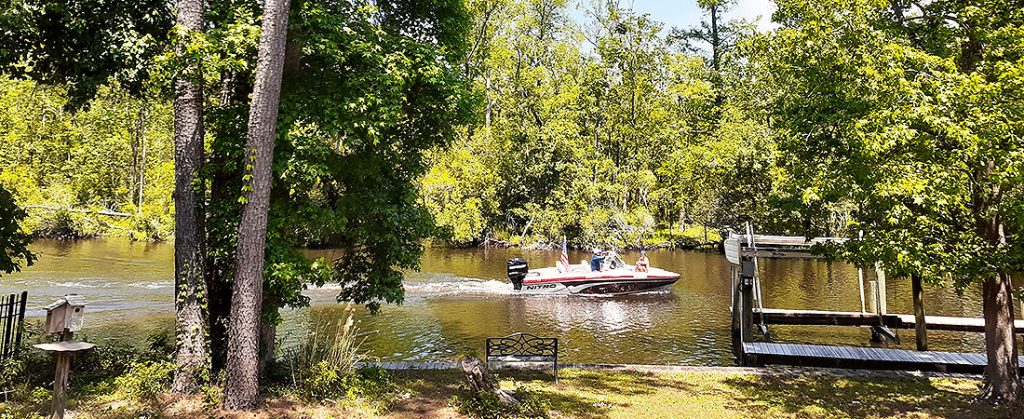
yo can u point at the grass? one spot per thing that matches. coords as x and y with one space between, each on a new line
610 394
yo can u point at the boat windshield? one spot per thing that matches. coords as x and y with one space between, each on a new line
613 261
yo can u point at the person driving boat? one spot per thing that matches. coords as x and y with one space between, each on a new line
597 261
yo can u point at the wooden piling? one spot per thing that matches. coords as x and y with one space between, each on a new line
736 324
746 286
860 285
872 299
882 306
920 326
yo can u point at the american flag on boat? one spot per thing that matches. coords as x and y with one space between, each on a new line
565 257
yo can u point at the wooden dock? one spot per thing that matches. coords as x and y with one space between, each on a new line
847 318
765 353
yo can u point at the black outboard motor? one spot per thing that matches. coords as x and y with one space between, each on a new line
517 270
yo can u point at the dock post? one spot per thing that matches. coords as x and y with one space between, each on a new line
735 324
872 300
746 286
860 279
920 327
860 285
873 309
882 306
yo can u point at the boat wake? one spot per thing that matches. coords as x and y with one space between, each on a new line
460 286
442 286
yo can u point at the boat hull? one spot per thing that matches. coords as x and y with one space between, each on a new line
543 281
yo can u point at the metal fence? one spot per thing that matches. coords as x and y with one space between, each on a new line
12 323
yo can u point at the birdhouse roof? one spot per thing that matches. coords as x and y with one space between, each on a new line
55 304
75 299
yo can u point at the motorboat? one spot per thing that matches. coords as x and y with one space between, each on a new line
614 277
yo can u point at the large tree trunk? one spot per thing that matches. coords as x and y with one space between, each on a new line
1002 375
190 289
242 366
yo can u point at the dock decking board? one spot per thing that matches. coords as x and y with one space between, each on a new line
763 353
848 318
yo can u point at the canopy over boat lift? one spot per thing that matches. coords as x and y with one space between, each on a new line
749 315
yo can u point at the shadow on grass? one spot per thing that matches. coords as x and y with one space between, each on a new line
431 391
627 383
594 393
831 396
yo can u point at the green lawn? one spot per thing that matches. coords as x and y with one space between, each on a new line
607 394
610 394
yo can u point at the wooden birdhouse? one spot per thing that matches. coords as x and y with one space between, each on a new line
65 314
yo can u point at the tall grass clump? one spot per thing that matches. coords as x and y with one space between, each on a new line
324 366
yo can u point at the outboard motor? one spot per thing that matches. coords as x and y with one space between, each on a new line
517 270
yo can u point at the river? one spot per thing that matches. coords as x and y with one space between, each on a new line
461 296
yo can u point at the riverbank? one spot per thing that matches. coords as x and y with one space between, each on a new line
690 238
714 393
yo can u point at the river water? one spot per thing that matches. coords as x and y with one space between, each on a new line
461 296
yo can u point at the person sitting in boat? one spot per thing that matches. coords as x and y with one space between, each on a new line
597 260
643 264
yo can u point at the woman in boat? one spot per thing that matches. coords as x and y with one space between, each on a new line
643 264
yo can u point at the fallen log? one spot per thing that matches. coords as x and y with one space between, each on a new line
109 213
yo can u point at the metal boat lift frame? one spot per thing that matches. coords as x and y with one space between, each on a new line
743 251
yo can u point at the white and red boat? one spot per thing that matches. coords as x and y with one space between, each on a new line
614 277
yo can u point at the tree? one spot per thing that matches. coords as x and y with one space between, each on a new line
907 117
13 241
719 35
192 356
242 386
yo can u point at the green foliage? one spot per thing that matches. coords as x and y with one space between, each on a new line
13 241
604 145
488 405
905 131
65 167
82 45
144 380
323 365
111 368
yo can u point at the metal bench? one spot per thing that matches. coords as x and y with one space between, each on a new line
523 348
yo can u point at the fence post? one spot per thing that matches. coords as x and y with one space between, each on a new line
8 326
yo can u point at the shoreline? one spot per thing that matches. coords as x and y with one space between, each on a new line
688 369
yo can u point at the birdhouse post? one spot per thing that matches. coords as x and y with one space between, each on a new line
64 317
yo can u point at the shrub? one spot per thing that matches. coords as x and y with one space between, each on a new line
323 366
145 379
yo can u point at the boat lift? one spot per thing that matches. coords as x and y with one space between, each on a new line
750 315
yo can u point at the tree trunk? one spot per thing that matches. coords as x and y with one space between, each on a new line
268 341
920 323
140 128
716 43
1002 375
242 367
190 289
481 381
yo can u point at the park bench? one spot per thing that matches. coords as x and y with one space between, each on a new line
523 348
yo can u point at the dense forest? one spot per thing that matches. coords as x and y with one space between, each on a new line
898 123
613 131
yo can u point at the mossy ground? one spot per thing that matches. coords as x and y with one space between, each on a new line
608 394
